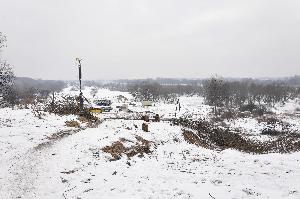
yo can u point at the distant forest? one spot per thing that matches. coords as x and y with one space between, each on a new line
25 83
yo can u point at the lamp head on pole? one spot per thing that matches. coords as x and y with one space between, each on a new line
78 60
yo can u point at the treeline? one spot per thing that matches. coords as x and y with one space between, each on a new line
292 81
218 92
221 93
23 91
154 91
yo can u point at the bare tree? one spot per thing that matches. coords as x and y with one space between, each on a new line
146 91
216 92
6 74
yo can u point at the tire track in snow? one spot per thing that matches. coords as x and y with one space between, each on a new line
25 168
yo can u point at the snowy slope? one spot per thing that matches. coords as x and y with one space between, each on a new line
75 166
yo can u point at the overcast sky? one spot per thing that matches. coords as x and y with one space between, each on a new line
153 38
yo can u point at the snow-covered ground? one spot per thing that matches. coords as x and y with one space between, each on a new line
76 167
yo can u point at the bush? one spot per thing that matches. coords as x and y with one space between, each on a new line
68 105
65 106
248 107
254 109
227 114
271 132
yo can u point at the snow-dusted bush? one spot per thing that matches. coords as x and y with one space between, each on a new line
67 105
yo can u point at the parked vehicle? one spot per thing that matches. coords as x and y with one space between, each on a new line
102 105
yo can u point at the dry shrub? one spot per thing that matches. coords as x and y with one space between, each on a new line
69 105
72 123
117 148
65 106
229 114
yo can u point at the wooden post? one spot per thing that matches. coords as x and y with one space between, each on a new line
53 101
157 118
145 127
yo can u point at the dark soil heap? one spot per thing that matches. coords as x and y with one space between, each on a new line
117 148
203 133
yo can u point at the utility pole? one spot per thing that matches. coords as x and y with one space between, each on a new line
80 94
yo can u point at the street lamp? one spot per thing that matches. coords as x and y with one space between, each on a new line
80 94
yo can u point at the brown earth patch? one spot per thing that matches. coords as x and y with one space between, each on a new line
206 135
117 149
72 123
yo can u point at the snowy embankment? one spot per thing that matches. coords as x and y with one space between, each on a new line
77 167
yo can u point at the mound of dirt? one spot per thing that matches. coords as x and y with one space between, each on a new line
117 149
206 135
191 138
72 123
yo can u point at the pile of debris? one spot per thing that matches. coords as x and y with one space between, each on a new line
117 149
72 123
